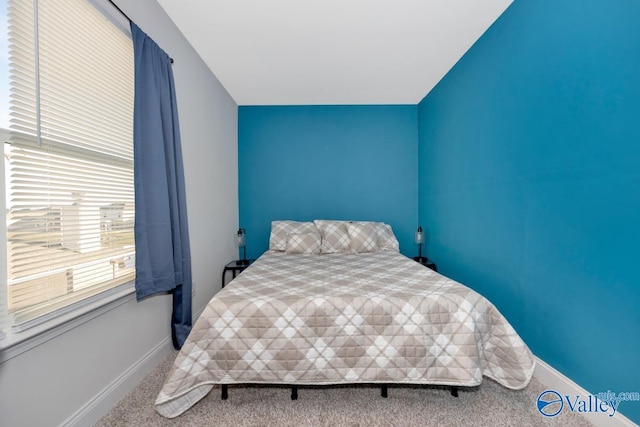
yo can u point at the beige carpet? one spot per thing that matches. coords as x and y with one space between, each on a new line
487 405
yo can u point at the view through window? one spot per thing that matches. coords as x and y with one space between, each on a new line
66 123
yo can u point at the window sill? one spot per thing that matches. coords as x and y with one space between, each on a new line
16 343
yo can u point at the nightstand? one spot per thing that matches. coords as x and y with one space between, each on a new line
235 267
426 262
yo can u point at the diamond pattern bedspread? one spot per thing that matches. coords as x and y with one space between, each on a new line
344 318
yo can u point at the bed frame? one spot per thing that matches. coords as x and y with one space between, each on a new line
224 393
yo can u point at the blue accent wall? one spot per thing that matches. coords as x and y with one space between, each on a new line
529 182
328 162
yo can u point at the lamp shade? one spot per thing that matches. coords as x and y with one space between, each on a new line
419 238
240 238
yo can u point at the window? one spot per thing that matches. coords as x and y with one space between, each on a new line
68 147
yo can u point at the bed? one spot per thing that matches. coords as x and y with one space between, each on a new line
325 312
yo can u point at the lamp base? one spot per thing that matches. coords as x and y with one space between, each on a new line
242 262
421 259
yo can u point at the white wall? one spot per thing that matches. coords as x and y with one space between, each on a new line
75 377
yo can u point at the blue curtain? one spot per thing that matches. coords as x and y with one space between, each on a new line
163 259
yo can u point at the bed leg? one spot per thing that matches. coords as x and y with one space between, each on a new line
454 391
224 392
383 391
294 393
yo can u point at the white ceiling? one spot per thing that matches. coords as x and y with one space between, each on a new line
311 52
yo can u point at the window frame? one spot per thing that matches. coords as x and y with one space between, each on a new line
49 326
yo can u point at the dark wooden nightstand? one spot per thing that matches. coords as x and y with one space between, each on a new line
426 262
235 267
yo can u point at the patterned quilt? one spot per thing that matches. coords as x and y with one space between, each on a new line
344 318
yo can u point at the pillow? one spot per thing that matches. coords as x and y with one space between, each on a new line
335 238
303 243
363 235
280 230
387 239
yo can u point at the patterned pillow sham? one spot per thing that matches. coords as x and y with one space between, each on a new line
387 240
334 235
363 235
335 238
280 230
303 243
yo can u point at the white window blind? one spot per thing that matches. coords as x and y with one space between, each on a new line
69 157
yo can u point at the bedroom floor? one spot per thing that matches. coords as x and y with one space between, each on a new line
487 405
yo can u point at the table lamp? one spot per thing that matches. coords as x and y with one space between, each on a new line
241 242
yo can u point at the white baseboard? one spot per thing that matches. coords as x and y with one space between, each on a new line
554 380
101 403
